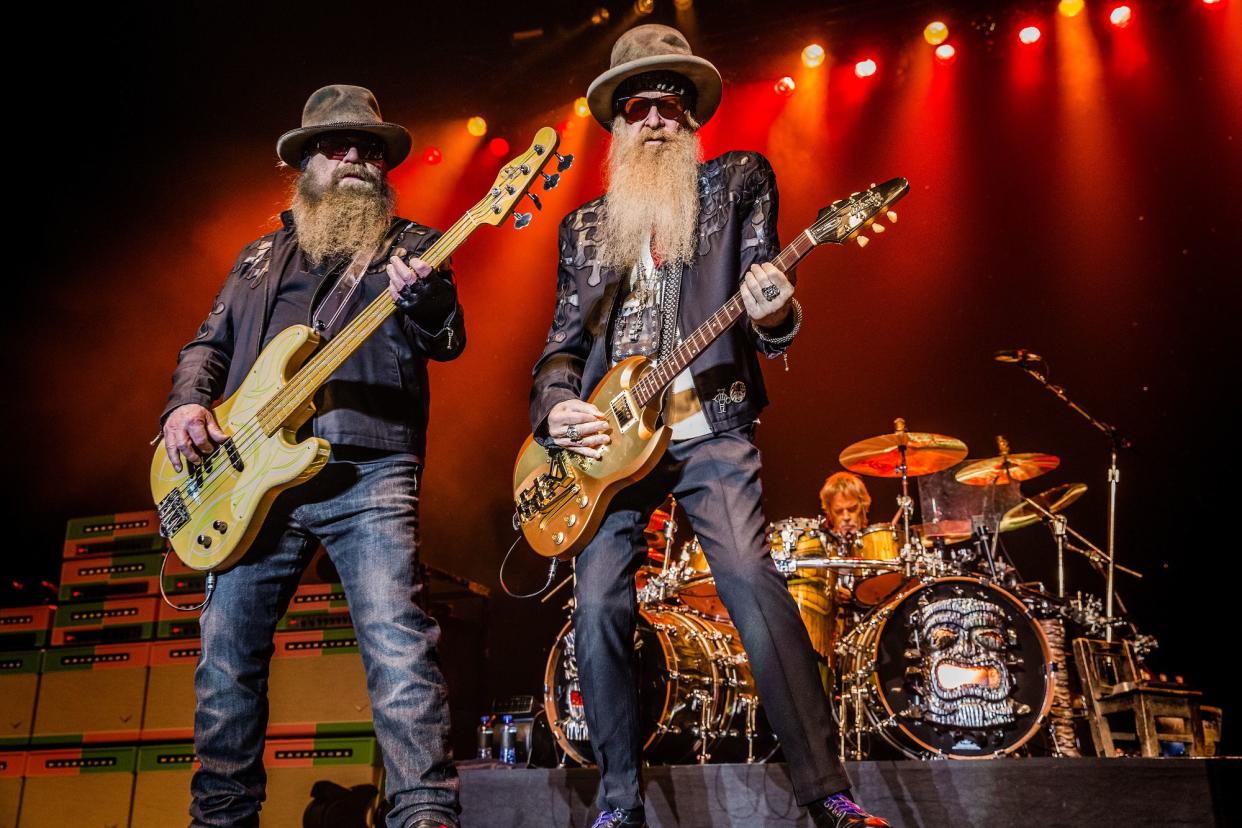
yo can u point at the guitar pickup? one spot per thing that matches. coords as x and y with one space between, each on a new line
234 456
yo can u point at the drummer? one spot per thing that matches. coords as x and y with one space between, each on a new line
845 501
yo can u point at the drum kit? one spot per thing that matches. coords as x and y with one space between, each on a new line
933 645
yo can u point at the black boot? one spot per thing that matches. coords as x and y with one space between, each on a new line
621 818
839 811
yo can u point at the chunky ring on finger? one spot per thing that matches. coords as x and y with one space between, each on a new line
770 292
572 433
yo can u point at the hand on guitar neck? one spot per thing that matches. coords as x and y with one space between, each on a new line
589 427
767 294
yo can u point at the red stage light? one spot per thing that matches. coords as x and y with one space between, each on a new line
432 155
1029 35
865 68
1213 2
498 147
945 53
784 87
1120 16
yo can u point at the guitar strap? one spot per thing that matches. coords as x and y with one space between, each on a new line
334 303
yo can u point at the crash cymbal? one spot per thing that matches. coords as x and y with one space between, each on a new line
1006 468
1054 500
925 453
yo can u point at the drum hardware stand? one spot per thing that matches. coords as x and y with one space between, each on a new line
904 502
1059 525
1116 441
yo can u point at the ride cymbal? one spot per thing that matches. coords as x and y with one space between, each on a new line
1006 468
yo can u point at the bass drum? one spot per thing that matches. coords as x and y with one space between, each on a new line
696 696
953 668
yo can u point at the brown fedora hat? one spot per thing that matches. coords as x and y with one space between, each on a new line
654 48
339 108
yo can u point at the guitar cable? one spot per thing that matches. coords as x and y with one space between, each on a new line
501 574
209 587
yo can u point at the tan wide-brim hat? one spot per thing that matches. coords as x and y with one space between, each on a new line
343 108
654 48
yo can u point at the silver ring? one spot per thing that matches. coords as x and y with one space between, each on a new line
770 292
572 433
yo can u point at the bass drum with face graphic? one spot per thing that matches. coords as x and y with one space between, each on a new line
954 668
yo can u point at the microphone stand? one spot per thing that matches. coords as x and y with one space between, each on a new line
1116 441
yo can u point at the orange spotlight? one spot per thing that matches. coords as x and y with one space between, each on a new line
476 126
581 108
498 147
1120 16
865 68
1071 8
644 7
935 33
1029 35
813 56
945 53
682 5
432 155
784 87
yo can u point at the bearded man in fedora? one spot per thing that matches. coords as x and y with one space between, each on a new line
667 245
338 248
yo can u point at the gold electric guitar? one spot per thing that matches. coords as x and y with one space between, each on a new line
561 496
211 512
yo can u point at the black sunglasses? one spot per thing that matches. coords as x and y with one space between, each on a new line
636 108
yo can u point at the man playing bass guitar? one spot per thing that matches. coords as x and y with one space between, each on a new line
669 243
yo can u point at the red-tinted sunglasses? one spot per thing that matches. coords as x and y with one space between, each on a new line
636 108
337 147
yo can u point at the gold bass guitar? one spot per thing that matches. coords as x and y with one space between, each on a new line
211 512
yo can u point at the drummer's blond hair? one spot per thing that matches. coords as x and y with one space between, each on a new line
845 483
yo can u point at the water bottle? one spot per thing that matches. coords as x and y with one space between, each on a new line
485 737
508 741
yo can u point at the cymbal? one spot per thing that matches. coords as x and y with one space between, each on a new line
1054 500
1006 468
925 453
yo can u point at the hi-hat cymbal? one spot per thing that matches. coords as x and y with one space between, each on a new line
1006 468
925 453
1054 500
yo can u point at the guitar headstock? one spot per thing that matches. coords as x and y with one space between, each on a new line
515 179
845 218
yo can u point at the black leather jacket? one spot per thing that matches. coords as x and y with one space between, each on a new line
378 398
737 228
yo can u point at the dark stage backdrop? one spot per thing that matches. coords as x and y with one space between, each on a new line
1079 198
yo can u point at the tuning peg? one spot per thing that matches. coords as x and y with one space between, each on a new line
535 198
892 217
550 181
520 220
563 162
876 227
863 241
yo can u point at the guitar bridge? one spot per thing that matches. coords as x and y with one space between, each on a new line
546 492
622 411
173 514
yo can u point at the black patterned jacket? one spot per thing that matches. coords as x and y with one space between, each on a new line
378 398
737 228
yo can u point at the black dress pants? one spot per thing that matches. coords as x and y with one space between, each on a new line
715 478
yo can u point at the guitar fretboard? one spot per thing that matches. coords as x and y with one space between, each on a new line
656 380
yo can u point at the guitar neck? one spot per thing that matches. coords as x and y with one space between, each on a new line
300 390
655 381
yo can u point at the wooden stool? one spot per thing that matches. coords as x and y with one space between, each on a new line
1112 685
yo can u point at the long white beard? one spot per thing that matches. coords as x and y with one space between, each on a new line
653 192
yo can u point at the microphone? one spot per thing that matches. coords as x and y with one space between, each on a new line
1019 355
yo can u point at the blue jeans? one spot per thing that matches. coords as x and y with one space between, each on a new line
365 512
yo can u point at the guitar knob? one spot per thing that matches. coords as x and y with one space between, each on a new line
558 538
550 181
583 501
892 217
876 227
204 541
520 220
570 520
863 241
563 162
220 526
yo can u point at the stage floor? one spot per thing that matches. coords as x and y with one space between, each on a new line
1012 792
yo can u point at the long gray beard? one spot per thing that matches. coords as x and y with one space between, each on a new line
653 192
336 222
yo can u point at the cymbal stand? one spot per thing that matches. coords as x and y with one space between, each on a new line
1059 524
1092 552
904 502
1116 441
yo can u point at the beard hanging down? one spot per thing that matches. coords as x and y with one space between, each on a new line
337 221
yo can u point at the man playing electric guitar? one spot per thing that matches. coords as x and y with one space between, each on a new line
653 258
363 505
